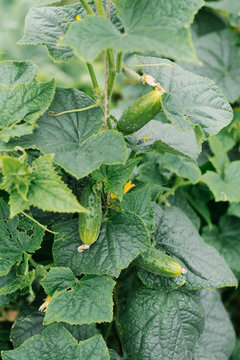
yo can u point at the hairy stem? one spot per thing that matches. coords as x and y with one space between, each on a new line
93 78
86 7
99 7
119 62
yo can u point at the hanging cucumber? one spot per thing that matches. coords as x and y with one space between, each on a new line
90 223
140 112
159 263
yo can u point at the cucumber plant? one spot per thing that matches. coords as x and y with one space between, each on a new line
119 207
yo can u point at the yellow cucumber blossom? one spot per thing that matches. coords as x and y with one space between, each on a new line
127 187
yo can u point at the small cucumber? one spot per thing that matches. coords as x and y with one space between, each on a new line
159 263
90 223
140 112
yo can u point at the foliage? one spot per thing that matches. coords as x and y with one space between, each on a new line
172 187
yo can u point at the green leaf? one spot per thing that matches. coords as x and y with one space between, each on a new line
57 279
236 351
157 324
230 6
17 237
30 322
177 235
179 200
27 324
23 103
17 72
220 58
46 191
182 166
234 209
139 202
115 177
57 340
218 337
45 25
114 355
165 138
226 188
225 239
220 158
68 136
145 28
15 280
122 238
190 100
88 301
160 282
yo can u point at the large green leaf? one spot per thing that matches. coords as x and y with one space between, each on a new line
16 238
190 100
56 340
225 239
220 58
17 72
157 324
57 279
24 104
165 138
16 279
139 202
89 300
218 337
122 238
220 158
45 25
44 190
160 282
177 235
30 322
230 6
182 166
71 136
27 324
145 28
234 209
226 188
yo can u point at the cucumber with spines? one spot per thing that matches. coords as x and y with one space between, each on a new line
90 223
140 112
159 263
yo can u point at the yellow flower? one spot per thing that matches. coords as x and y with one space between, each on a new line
78 17
128 186
44 306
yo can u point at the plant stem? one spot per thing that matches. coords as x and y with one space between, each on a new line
99 7
93 78
33 263
86 7
119 62
111 60
106 101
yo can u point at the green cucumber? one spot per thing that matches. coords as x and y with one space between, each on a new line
140 112
159 263
90 223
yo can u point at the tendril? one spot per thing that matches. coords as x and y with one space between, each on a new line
142 65
147 136
51 113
